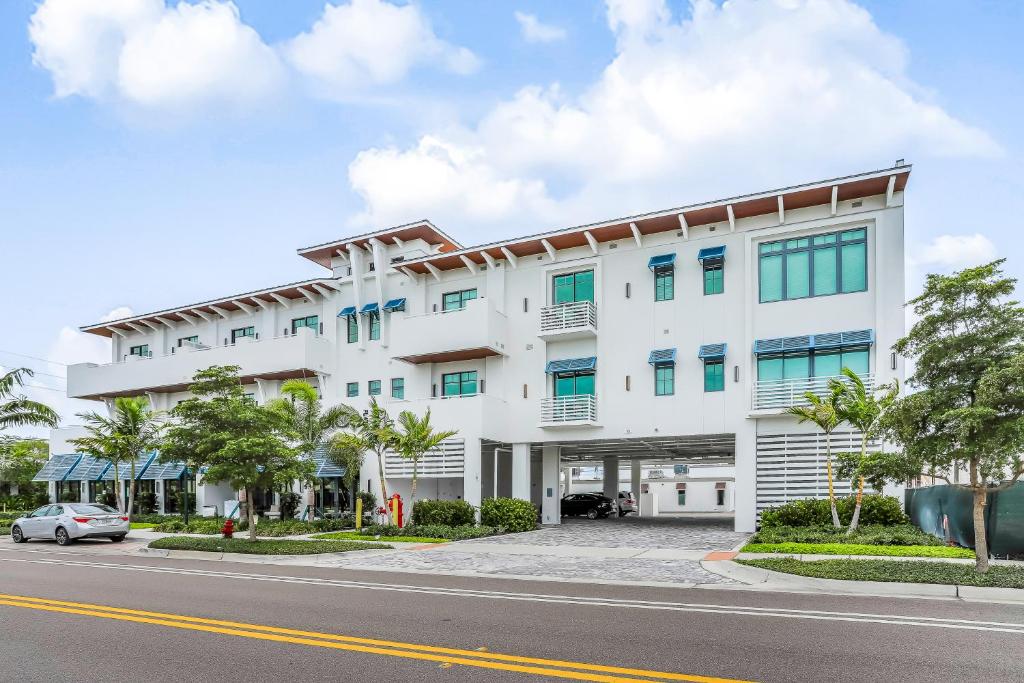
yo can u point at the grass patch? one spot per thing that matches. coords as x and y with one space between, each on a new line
948 573
358 536
5 530
858 549
901 534
274 547
142 525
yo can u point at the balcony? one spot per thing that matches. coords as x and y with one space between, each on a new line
300 355
475 331
574 320
775 396
579 410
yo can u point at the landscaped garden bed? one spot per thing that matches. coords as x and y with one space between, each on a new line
274 547
859 549
948 573
359 536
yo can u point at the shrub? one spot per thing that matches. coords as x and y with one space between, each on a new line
443 512
290 504
369 501
108 498
857 549
195 526
510 514
450 533
902 534
240 545
875 509
145 503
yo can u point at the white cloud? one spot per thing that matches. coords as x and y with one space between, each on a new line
535 31
371 42
738 96
954 252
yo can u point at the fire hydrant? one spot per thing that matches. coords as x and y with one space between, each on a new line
395 507
229 529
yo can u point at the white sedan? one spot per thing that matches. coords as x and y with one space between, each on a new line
67 522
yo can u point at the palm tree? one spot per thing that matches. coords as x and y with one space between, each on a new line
374 431
415 438
823 412
130 432
17 410
863 409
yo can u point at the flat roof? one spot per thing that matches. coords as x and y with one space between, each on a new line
422 229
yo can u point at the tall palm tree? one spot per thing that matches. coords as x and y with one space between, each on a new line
17 410
131 431
823 413
372 431
863 409
416 437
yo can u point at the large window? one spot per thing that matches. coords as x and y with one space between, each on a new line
574 383
664 380
310 321
242 332
194 339
459 383
573 287
398 387
835 263
714 277
664 283
352 327
142 350
374 325
714 375
812 364
453 301
373 387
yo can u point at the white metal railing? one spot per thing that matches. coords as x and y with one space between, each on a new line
447 460
568 316
576 408
782 393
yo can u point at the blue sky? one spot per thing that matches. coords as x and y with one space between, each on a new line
154 153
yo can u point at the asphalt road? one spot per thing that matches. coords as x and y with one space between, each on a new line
57 623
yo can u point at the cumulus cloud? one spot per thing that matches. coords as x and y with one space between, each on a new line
535 31
736 96
954 252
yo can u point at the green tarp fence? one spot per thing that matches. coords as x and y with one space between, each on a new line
1004 516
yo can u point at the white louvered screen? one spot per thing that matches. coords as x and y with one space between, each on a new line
792 466
447 460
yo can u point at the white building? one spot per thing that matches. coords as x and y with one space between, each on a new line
678 336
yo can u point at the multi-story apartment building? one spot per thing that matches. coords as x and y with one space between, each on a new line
675 336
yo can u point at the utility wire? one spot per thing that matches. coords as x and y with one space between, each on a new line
23 355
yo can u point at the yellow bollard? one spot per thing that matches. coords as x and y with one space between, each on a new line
359 514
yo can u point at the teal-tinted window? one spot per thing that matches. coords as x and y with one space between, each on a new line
664 284
241 332
459 383
574 383
452 301
373 387
714 278
817 266
681 497
352 327
194 339
397 387
714 375
140 350
664 380
352 389
374 325
310 321
816 364
573 287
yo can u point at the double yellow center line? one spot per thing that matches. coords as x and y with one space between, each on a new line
442 655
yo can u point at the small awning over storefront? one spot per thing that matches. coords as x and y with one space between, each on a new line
662 357
395 304
711 254
58 467
662 261
369 308
347 311
827 340
712 352
571 365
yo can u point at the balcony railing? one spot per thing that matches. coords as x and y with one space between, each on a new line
783 393
577 409
572 317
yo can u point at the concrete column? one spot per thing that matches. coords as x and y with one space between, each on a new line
471 474
51 490
634 484
567 477
746 477
551 505
521 471
611 477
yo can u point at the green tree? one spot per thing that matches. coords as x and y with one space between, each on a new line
20 460
863 410
129 433
16 410
415 437
822 411
373 431
238 441
968 403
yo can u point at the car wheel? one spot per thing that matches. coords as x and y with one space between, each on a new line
117 539
622 513
592 513
62 536
17 536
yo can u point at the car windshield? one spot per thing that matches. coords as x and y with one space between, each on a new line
96 509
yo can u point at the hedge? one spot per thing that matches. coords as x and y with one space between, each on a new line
359 536
875 509
276 547
949 573
449 533
872 534
511 514
444 512
856 549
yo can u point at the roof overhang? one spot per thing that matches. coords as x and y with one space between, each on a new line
451 356
300 373
424 230
728 211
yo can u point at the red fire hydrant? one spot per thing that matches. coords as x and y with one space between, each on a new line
229 529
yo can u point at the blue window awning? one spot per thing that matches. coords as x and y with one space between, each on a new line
662 357
828 340
92 469
347 311
369 308
58 467
712 352
711 253
662 261
158 471
395 305
571 365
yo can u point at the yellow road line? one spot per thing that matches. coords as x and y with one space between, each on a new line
373 646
